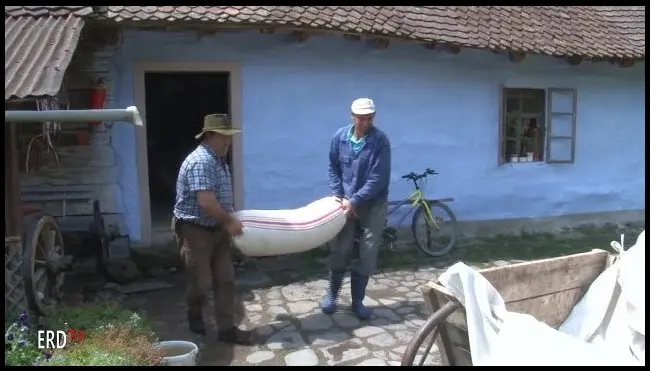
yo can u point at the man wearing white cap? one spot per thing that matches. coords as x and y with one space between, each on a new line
359 172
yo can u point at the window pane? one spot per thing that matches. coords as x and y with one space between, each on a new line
562 101
533 105
512 103
511 127
561 125
559 149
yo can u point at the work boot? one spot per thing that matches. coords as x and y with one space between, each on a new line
358 284
236 336
328 304
196 323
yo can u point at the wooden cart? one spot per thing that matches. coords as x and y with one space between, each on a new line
547 289
41 260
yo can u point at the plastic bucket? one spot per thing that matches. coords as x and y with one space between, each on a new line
178 352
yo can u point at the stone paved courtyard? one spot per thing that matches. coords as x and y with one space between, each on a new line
292 331
280 298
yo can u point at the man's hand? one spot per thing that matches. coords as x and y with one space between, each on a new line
234 227
347 208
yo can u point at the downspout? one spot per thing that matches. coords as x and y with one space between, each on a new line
130 115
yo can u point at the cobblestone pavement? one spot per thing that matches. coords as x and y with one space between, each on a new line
290 328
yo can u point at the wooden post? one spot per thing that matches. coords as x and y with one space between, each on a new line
13 212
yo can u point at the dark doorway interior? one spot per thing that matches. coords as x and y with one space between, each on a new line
176 103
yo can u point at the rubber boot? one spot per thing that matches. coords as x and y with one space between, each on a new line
328 304
196 324
358 284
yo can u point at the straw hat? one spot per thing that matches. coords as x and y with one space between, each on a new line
217 123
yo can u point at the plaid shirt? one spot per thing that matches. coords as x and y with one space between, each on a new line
202 170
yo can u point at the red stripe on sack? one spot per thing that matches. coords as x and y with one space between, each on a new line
288 227
282 223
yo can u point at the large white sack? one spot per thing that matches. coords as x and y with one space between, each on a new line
524 341
612 311
280 232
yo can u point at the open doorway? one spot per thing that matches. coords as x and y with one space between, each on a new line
175 104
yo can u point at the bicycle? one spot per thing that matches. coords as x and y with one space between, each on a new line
423 209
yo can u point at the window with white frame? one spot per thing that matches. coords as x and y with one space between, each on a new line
537 125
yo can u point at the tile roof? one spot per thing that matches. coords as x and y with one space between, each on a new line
38 51
588 31
39 11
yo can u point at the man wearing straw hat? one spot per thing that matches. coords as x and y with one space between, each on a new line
204 225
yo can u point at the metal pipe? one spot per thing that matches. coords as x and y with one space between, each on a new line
130 115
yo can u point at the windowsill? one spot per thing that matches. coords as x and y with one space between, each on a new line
525 163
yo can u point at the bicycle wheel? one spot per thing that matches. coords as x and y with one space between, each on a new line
437 238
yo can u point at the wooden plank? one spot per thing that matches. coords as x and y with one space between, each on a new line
78 199
112 222
65 208
551 309
531 279
55 188
84 156
75 176
13 215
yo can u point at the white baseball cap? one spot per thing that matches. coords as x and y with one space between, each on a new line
363 106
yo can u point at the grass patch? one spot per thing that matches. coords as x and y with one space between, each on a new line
477 252
114 345
113 336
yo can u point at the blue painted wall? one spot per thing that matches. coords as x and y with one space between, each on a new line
440 111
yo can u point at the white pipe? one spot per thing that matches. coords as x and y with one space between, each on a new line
130 115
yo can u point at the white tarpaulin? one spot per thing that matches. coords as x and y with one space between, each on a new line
607 327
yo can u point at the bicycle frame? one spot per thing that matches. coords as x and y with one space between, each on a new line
417 197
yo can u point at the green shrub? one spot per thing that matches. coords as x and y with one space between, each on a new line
94 317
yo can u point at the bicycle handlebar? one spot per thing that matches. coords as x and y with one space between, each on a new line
415 177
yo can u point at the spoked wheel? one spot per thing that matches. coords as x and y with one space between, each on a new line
43 262
438 236
428 334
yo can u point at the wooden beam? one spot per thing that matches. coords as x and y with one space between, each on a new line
430 46
267 30
351 37
516 57
379 43
574 60
625 62
450 48
299 36
13 205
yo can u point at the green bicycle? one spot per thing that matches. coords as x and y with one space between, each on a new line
429 219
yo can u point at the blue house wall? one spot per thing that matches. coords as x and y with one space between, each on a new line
440 110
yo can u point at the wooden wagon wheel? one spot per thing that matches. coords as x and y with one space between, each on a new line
428 331
43 262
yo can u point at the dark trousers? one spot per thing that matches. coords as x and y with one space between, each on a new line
371 220
207 256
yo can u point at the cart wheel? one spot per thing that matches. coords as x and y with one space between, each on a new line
429 331
43 262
